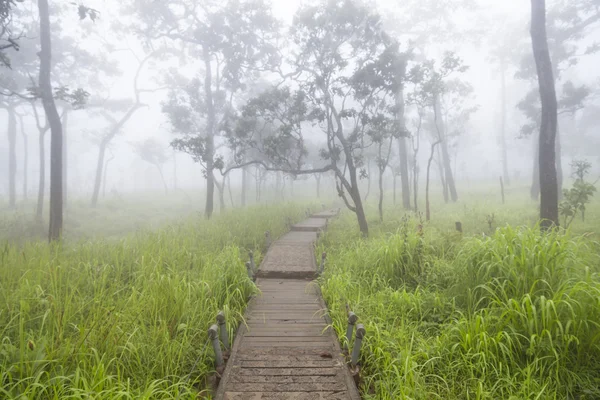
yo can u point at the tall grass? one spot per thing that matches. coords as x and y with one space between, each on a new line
512 314
126 319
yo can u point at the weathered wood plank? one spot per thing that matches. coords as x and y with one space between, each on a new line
286 387
286 396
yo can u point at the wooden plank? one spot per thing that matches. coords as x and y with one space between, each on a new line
283 379
289 363
287 371
286 395
286 387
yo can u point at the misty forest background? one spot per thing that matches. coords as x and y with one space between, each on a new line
150 144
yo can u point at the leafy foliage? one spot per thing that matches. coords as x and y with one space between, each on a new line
576 198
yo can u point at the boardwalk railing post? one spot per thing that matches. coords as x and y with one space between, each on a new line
268 239
213 335
250 271
223 330
352 318
251 255
360 334
322 266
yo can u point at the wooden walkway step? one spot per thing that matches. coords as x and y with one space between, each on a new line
286 348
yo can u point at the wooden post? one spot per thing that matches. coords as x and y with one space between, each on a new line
360 334
458 226
213 335
352 318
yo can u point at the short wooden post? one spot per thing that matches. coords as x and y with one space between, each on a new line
252 264
458 225
360 334
213 335
250 271
322 266
268 239
223 330
352 318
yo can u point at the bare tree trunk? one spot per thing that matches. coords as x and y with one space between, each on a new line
39 214
368 180
56 148
221 189
547 160
559 169
427 207
442 177
394 183
65 156
25 158
210 141
244 185
404 175
99 169
12 157
381 171
534 191
105 174
505 174
229 190
445 154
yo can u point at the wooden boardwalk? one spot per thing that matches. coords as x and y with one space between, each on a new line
286 350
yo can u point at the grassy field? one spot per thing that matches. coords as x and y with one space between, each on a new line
498 312
126 318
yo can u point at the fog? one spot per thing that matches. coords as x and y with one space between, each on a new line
152 143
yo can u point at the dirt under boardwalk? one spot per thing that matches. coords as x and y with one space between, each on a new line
287 351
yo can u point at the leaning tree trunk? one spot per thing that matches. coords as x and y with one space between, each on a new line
221 190
445 154
549 121
39 214
99 169
12 157
104 175
56 148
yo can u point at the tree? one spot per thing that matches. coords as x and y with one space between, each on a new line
568 24
56 146
117 124
343 67
7 39
234 42
549 121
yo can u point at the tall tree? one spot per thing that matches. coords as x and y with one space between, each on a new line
547 155
341 77
47 96
233 41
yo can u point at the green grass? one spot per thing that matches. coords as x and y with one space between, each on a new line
506 313
127 318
